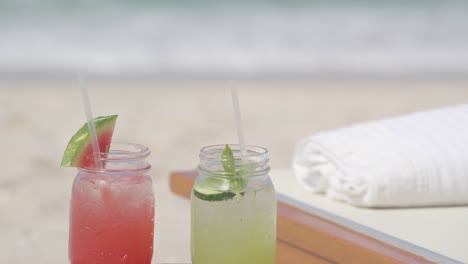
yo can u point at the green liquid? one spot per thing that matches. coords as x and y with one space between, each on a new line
233 232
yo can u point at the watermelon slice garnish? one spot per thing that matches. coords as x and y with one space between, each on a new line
79 151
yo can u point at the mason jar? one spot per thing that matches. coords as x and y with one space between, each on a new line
112 209
233 210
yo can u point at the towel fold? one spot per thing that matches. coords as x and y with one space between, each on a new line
420 159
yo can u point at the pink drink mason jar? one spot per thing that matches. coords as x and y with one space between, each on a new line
112 209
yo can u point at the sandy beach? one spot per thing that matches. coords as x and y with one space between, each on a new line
174 119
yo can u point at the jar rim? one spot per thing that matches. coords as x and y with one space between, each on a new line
253 162
121 152
208 152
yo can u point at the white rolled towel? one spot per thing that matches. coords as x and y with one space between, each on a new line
419 159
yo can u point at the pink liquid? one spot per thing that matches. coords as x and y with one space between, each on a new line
111 220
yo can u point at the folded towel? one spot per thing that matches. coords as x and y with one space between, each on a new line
420 159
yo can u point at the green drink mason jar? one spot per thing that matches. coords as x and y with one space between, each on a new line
233 207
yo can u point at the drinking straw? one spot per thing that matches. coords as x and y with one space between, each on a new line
238 117
91 126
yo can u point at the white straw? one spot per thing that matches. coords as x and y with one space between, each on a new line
91 126
237 114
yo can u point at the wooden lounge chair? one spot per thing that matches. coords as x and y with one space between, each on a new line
333 232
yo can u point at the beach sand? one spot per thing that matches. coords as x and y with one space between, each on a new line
174 119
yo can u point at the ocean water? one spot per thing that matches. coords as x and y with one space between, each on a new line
234 37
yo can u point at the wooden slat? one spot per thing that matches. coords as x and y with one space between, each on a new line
181 182
290 254
309 236
337 243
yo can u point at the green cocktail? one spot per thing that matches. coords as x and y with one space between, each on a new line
233 208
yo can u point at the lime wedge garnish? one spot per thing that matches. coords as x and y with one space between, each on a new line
213 189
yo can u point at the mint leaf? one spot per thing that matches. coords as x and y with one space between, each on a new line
229 165
227 159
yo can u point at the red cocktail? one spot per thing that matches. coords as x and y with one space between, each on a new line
112 210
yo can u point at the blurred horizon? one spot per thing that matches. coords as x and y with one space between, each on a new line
227 38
